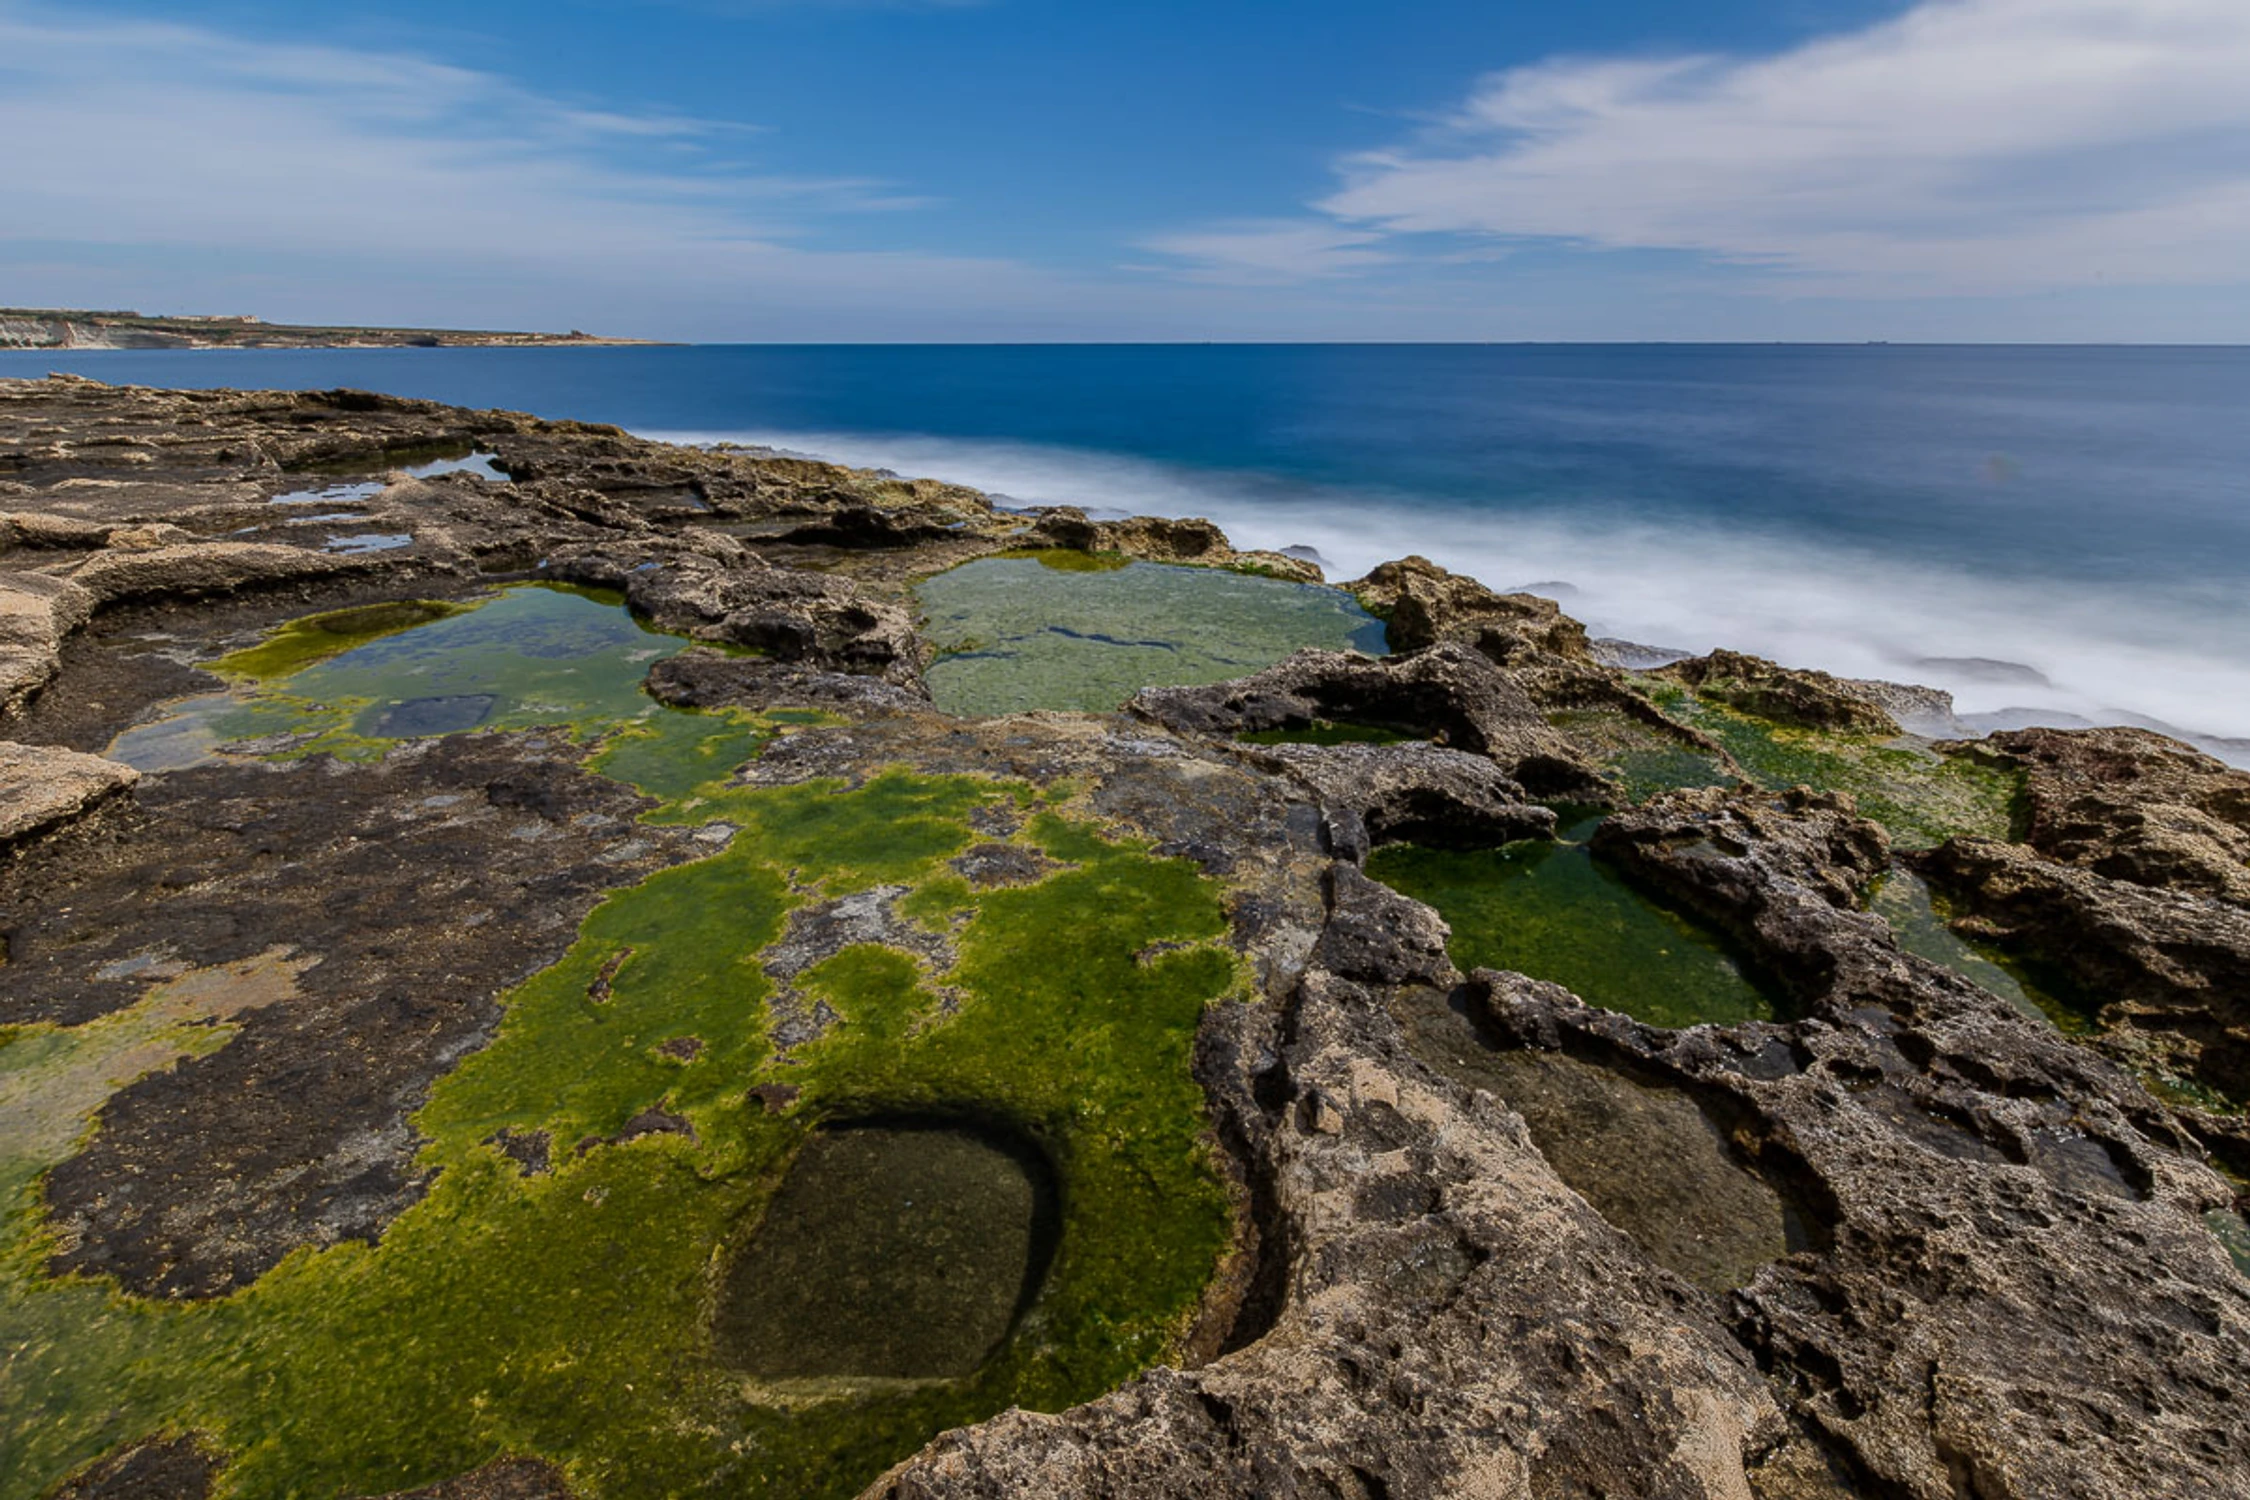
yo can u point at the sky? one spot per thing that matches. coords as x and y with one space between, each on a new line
1026 170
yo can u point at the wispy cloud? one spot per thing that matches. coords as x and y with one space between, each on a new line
1964 147
380 173
1267 251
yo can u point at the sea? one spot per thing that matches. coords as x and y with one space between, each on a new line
2052 534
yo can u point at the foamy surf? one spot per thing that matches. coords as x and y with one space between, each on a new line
2012 651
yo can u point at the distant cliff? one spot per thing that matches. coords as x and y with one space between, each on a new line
69 328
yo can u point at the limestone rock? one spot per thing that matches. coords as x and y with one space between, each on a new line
1447 693
204 568
1812 700
42 786
2134 806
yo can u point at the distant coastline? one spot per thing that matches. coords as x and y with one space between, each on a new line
73 328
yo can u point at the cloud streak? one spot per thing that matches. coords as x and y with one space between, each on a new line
385 183
1965 147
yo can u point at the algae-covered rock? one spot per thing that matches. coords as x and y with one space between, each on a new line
1810 700
443 1105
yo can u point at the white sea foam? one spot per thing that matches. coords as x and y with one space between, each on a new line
2109 653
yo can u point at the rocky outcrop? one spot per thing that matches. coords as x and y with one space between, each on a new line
1785 695
1984 1273
1425 794
1163 539
41 787
1446 693
36 614
713 588
1447 1318
2167 972
2133 806
1992 1211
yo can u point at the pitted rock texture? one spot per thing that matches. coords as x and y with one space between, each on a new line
1813 700
2002 1287
41 787
2005 1220
1453 1319
1446 693
400 879
2135 806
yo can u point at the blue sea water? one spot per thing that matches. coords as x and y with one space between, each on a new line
2051 531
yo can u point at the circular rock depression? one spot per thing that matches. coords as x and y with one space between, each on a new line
894 1249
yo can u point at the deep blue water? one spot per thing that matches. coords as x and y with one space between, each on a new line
2084 512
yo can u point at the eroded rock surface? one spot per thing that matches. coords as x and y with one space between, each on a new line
1936 1249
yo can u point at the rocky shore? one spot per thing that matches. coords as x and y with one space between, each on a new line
329 1035
68 328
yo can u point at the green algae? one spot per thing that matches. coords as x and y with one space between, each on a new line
315 638
567 1313
1644 759
2233 1235
1553 911
1019 633
353 683
1924 928
1920 795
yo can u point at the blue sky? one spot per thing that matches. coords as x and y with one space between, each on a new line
1069 169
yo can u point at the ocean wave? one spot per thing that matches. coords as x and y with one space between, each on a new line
2056 652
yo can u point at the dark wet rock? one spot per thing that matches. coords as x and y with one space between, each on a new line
712 587
204 1175
648 1122
1376 936
1425 794
166 1468
1447 693
2135 806
2167 971
775 1098
988 865
710 679
1785 695
532 1150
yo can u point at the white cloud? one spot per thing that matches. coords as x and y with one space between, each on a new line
1965 147
381 184
1267 251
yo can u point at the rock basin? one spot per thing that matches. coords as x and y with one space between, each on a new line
1551 910
1078 631
900 1250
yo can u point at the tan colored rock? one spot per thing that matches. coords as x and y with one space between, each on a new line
36 612
205 568
2135 806
43 785
1813 700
